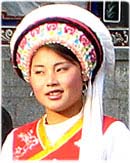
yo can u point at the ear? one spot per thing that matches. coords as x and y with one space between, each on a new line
30 80
84 77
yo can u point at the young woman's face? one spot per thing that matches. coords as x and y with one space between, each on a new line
56 82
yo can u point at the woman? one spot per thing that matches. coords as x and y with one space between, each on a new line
64 58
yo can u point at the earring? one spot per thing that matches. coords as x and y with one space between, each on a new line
84 90
31 94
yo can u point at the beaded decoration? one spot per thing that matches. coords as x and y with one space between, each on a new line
56 32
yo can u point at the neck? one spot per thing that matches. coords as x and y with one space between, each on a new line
54 117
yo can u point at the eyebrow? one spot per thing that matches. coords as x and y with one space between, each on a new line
56 64
60 63
38 65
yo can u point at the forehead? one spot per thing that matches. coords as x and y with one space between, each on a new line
55 51
47 55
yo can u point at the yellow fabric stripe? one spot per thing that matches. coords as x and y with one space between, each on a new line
46 143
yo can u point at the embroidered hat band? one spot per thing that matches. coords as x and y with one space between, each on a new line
70 33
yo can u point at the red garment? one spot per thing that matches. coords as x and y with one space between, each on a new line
31 142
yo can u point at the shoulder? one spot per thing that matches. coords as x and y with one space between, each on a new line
107 121
110 124
26 127
116 130
117 140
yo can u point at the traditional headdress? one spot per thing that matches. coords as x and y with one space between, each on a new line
87 37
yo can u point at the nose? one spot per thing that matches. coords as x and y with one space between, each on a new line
51 79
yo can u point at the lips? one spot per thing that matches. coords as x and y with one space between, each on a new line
54 94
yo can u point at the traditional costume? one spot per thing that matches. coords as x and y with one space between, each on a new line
88 136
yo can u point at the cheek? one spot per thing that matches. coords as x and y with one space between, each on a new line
73 82
36 85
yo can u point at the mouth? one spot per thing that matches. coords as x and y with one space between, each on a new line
54 94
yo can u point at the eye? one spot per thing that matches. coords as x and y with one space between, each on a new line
38 72
61 69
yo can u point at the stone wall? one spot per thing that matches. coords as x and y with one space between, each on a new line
24 108
117 87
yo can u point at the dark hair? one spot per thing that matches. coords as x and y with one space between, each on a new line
7 124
